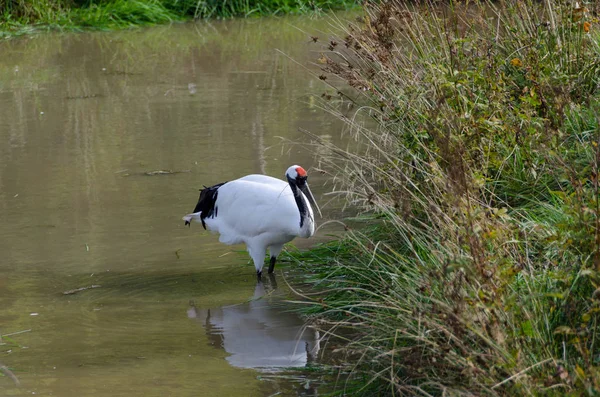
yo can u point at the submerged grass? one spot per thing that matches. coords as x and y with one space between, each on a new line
25 16
477 150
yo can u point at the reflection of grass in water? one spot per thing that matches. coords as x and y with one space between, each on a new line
219 40
5 371
10 344
24 17
51 68
138 55
151 51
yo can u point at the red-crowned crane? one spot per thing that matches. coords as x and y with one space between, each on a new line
259 211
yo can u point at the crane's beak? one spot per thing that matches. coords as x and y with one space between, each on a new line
304 188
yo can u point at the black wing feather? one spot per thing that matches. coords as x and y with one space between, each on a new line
206 202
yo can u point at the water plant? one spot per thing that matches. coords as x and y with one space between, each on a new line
476 150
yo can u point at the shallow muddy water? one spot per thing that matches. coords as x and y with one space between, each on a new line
105 140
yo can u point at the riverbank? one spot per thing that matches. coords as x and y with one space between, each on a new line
480 269
20 17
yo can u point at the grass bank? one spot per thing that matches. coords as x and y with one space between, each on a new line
477 149
27 16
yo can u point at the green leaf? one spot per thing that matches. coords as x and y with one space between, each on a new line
527 328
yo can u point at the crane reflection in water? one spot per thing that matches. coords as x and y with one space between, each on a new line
260 333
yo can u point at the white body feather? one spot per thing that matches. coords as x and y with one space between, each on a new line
259 211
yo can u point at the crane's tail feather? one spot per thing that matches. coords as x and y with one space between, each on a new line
192 217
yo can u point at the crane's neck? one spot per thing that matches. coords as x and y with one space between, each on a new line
305 214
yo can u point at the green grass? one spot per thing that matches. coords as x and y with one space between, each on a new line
23 17
477 150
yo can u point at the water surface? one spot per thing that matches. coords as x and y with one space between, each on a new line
91 127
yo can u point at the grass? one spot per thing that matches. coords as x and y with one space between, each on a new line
477 150
27 16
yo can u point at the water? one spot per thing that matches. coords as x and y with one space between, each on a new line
105 140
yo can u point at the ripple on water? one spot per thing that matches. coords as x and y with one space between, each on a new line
125 301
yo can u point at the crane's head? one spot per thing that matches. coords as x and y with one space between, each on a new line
296 172
297 176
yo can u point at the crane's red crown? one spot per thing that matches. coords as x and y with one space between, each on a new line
301 172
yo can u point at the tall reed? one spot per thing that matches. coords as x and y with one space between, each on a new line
477 150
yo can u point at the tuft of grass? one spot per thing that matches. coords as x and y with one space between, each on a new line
120 13
477 147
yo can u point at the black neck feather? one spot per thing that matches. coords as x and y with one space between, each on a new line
299 200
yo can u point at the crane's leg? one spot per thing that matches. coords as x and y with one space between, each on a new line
258 256
274 251
272 264
273 281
